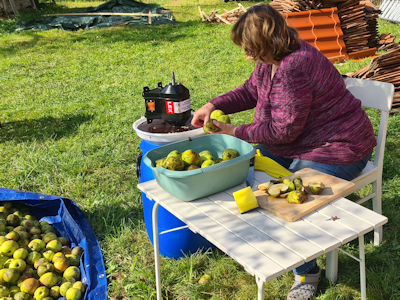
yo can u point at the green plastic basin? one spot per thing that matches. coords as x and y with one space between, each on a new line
198 183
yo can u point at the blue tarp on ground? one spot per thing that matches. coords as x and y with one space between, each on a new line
69 221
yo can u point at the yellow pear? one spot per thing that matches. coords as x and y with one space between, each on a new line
72 272
18 264
2 274
54 245
61 264
11 275
64 288
55 292
57 255
22 296
8 247
80 286
49 279
36 245
41 292
21 253
4 291
29 285
73 294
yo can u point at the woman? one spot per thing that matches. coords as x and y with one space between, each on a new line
304 117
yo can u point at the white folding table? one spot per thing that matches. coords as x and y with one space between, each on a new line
265 245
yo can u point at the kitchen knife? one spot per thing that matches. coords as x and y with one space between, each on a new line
250 175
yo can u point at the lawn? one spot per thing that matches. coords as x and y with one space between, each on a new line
68 101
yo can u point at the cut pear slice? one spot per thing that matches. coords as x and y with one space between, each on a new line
284 195
264 186
296 197
276 189
315 188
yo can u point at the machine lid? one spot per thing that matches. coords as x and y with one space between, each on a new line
175 89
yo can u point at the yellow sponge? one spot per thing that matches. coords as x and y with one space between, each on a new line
245 199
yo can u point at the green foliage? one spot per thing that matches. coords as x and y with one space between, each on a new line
68 101
389 27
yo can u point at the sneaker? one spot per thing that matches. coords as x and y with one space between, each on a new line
304 286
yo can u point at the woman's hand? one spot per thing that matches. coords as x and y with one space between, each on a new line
202 115
225 128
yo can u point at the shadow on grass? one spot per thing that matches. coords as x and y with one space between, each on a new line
391 159
109 219
381 268
9 25
13 48
143 33
113 34
41 129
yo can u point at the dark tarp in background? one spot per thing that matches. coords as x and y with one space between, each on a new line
89 22
69 221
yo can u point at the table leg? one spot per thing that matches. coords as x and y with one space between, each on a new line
332 265
362 267
156 250
260 288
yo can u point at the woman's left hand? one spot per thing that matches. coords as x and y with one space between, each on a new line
225 128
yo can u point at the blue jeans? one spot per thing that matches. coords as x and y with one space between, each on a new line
347 172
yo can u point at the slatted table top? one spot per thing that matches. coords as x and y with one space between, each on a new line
265 245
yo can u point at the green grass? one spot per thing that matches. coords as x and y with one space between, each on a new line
68 101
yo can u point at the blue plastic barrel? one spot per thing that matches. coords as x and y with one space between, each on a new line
173 244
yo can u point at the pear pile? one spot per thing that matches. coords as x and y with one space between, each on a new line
293 190
35 263
191 160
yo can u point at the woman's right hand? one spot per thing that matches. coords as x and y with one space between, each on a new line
202 115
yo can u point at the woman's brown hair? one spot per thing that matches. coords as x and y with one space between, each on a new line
263 32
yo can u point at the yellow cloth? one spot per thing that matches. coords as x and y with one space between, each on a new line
269 166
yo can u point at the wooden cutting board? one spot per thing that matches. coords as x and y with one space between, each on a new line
334 188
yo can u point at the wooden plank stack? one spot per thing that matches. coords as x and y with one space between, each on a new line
287 6
385 67
228 17
354 26
371 16
386 42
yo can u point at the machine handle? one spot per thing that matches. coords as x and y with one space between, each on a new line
138 164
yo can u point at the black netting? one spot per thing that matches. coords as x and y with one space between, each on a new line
158 15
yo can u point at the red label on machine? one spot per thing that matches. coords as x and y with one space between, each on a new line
169 107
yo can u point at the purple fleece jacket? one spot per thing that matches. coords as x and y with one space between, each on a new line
305 112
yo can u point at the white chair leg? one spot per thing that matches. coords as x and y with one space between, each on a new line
377 207
332 265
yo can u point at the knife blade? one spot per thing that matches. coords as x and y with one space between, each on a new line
250 175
